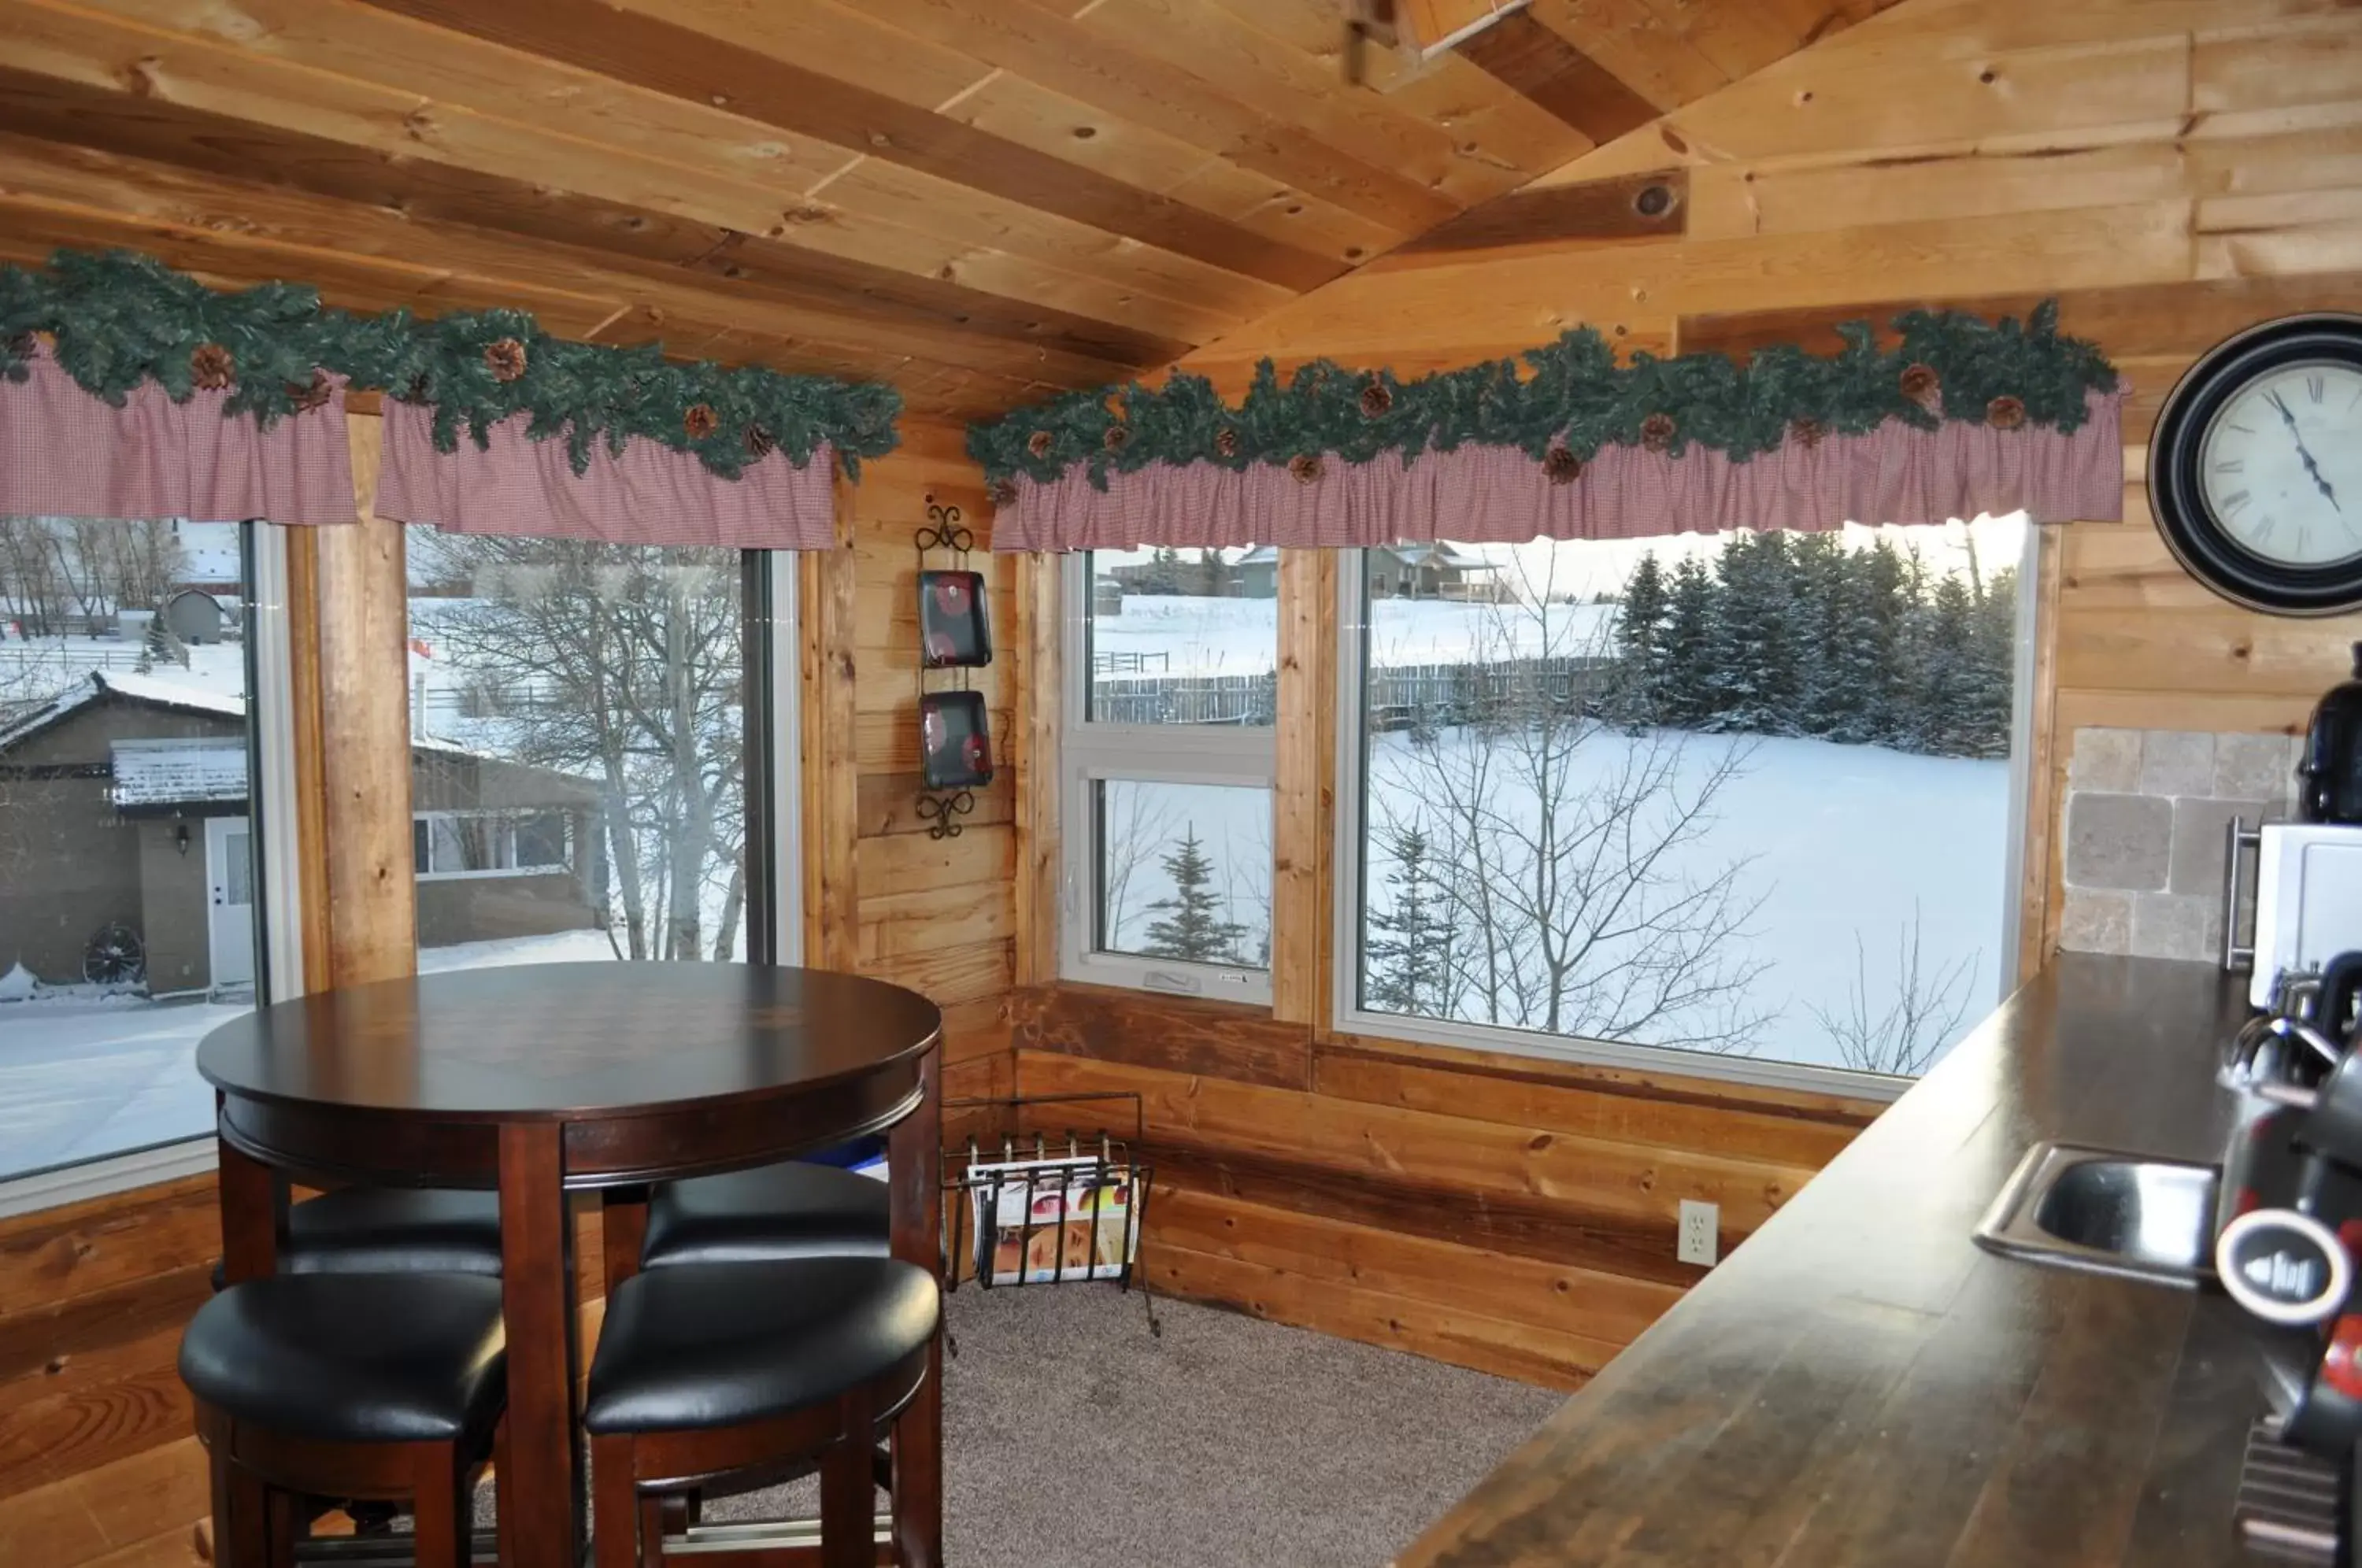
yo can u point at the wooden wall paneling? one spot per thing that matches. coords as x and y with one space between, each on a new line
364 634
1176 1035
2043 770
831 801
1304 804
1526 55
1038 677
309 742
1650 206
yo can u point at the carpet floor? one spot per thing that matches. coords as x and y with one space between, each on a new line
1075 1439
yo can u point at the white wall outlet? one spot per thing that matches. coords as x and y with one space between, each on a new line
1700 1241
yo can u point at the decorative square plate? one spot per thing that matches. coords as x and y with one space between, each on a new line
954 751
952 626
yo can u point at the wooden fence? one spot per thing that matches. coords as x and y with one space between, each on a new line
1399 697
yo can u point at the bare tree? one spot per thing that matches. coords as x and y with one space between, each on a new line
623 666
1562 847
1922 1018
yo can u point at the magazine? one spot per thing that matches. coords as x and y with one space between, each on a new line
1077 1224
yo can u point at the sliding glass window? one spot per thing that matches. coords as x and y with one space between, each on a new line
132 876
595 732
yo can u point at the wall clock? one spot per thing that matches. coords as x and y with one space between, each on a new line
2254 468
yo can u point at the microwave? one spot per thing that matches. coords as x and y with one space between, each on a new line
2308 901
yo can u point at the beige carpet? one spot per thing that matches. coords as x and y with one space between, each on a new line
1075 1440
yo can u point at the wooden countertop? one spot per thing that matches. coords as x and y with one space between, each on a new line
1859 1383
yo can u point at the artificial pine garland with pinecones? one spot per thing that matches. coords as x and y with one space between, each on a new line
1561 404
120 319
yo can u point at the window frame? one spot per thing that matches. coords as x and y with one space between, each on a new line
278 880
1092 752
507 838
1348 864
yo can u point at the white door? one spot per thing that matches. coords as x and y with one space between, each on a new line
229 893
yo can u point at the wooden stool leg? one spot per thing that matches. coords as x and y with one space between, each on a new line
503 1535
652 1530
614 1503
286 1512
442 1508
243 1539
848 1488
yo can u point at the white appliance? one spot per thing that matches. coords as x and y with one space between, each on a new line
2308 899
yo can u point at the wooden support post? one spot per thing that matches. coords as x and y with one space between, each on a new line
831 806
1040 697
1304 805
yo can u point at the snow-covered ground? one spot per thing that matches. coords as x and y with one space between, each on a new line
1845 843
1175 634
82 1078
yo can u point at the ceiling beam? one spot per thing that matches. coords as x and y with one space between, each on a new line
1524 54
682 62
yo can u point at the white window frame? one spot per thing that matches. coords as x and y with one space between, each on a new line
271 715
506 842
1092 752
1345 1005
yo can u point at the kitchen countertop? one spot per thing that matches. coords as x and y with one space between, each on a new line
1860 1384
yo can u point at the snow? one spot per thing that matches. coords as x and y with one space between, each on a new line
559 947
17 984
1184 635
84 1075
177 772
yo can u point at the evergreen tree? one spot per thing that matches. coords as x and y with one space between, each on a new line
1192 928
1991 667
1639 633
1753 680
1943 678
1686 664
1864 658
1408 948
1823 698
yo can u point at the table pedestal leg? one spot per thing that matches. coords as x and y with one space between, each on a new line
914 1157
540 1499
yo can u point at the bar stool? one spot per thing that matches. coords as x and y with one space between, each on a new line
385 1386
765 1214
744 1372
389 1229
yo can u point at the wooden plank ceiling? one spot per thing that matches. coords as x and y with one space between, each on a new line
980 201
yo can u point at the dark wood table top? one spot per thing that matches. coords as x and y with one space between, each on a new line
1859 1383
561 1041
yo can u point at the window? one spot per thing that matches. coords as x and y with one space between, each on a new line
593 775
1746 797
133 882
490 843
1172 688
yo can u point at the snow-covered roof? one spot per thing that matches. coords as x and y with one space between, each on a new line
178 772
1262 554
1445 554
148 688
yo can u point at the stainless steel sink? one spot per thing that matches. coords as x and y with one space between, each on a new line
2104 1212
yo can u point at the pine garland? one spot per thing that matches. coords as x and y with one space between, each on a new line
1572 396
121 318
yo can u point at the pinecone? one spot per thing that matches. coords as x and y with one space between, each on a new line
1038 443
505 360
700 421
309 395
1226 442
1562 465
1921 385
1807 432
1115 438
1657 431
212 366
1004 493
1303 468
1376 397
417 392
2005 412
758 442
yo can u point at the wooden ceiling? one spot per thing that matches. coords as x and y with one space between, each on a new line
980 201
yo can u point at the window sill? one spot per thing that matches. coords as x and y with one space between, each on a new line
56 1188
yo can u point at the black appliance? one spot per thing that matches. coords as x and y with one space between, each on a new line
2330 776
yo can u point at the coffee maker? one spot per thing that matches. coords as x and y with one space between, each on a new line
2329 788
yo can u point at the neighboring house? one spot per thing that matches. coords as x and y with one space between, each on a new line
1398 571
123 804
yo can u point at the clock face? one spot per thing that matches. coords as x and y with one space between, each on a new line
2255 466
2280 464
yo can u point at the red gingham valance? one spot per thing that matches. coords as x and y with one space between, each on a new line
650 495
64 453
1897 473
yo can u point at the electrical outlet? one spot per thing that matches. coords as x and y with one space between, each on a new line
1700 1240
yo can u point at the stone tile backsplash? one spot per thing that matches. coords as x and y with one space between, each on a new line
2147 815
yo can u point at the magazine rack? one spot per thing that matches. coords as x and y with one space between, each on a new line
1023 1206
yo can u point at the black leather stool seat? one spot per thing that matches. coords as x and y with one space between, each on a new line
791 1211
353 1357
391 1229
701 1345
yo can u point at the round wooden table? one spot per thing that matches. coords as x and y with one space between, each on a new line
543 1079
